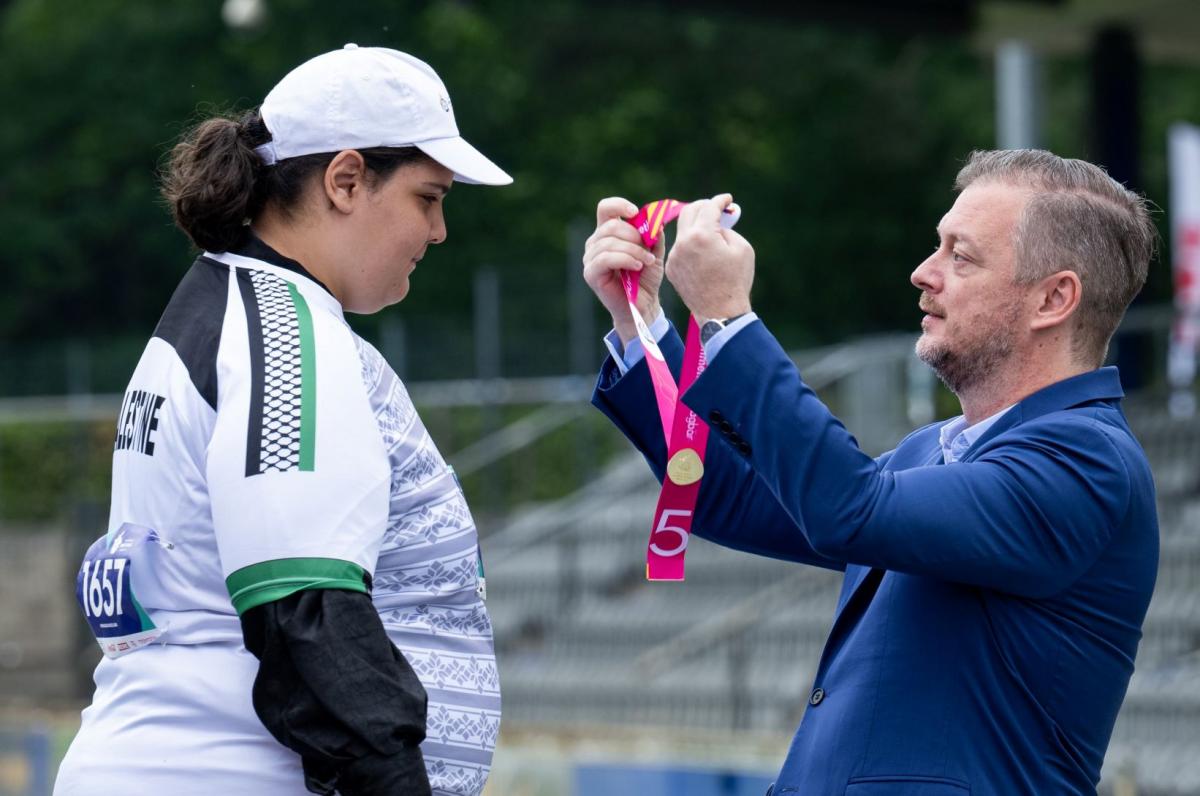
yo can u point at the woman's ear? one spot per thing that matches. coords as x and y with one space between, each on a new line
1058 296
345 180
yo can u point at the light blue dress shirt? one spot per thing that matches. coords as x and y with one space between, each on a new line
956 437
630 355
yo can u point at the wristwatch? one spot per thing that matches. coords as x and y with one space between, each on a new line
710 328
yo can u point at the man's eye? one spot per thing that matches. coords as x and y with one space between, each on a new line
959 258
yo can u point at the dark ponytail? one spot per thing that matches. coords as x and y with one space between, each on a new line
213 180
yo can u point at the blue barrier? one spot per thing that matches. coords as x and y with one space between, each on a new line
25 761
37 749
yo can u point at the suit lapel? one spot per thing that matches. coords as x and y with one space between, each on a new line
858 597
857 578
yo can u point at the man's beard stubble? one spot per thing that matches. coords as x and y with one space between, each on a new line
974 361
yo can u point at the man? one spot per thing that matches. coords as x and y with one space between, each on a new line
998 566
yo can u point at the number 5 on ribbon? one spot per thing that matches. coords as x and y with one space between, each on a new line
682 533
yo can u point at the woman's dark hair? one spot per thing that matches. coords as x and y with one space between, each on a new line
215 183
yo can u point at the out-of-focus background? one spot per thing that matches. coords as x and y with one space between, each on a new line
838 126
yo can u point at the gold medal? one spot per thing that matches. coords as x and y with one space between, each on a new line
685 467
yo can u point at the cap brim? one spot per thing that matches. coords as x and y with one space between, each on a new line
468 163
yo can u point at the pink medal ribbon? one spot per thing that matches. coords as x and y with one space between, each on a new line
685 433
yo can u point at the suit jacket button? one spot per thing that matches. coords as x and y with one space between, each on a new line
818 696
716 416
724 425
744 447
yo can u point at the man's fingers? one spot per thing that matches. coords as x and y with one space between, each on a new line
709 212
687 216
611 261
704 212
620 228
614 207
611 244
615 228
660 247
734 238
723 200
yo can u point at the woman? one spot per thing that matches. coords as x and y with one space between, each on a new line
281 522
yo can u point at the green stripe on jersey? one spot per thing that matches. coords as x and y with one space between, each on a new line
273 580
143 617
308 381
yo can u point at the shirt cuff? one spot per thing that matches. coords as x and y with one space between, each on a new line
718 340
628 356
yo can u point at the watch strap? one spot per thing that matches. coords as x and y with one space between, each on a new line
710 328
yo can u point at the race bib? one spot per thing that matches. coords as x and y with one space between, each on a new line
104 589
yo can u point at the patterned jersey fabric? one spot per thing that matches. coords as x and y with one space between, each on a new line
426 590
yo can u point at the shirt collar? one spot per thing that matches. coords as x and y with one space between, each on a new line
956 437
1102 384
252 253
255 248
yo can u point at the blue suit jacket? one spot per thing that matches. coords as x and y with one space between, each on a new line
991 608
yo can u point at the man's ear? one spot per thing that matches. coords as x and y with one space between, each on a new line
1057 297
345 180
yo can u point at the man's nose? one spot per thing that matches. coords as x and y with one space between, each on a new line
927 277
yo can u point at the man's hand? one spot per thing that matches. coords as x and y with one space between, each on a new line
712 268
616 246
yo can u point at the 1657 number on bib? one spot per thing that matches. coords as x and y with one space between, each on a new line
104 589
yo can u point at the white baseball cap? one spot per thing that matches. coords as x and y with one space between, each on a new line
364 97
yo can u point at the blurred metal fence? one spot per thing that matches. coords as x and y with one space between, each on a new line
584 641
513 328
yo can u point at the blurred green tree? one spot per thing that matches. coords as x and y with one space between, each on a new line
840 145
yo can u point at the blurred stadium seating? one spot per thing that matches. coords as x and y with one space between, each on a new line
585 640
594 658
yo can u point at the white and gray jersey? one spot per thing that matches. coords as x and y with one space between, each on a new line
264 448
426 590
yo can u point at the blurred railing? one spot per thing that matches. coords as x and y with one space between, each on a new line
561 570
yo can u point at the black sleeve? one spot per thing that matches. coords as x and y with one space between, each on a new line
333 688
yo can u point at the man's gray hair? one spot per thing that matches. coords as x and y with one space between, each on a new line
1079 219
